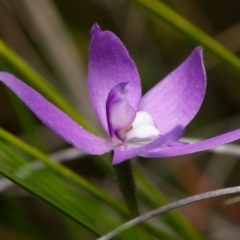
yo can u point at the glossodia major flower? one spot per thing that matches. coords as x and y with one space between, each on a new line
147 126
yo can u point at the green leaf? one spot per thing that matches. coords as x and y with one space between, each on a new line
189 31
63 171
51 188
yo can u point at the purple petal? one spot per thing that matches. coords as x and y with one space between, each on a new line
54 118
119 113
125 152
178 97
194 147
110 64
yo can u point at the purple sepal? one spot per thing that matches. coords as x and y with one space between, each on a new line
194 147
55 119
177 98
109 65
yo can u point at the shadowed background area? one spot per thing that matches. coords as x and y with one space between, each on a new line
53 37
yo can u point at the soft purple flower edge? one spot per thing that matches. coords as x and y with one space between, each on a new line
177 98
109 65
194 147
173 102
56 119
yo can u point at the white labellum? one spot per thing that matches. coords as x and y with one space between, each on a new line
143 129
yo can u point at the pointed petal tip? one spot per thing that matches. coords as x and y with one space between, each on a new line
199 52
95 29
198 48
179 96
109 65
195 147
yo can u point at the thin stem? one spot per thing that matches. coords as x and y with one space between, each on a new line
124 176
173 218
178 223
168 207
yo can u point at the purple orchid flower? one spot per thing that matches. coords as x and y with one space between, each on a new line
149 126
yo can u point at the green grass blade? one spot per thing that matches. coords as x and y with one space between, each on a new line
40 84
149 191
46 198
25 117
27 120
51 188
189 31
172 218
63 171
58 198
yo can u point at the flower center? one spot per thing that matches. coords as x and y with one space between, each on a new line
141 131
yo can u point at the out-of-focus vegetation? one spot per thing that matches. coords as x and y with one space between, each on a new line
53 38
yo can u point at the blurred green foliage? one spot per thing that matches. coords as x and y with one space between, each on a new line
53 38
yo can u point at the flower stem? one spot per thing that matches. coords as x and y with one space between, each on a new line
124 176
